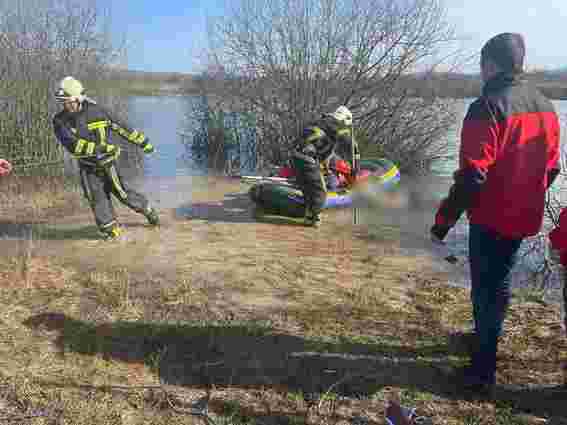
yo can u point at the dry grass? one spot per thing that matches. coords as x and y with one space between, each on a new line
80 347
38 198
286 327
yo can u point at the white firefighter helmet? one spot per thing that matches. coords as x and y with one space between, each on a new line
70 89
342 115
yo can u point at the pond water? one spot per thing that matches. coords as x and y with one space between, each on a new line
170 177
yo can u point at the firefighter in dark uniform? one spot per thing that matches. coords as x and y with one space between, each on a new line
85 130
312 158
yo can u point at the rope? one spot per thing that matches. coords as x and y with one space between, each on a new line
37 164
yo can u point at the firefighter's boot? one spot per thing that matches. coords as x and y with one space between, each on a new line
152 216
312 219
111 233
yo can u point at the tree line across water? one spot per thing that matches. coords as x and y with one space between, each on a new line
553 84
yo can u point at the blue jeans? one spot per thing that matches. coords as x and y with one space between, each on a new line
491 260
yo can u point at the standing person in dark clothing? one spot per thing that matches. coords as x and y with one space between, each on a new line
509 156
85 130
312 154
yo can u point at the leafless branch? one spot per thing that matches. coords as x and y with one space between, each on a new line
290 61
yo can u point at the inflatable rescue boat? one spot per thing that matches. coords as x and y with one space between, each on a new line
283 198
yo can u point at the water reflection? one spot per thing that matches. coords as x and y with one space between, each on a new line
162 119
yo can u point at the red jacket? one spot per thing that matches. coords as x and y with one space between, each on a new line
508 158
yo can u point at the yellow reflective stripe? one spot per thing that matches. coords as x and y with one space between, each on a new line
323 182
102 134
79 146
137 137
98 124
116 181
392 172
343 132
317 134
121 131
90 148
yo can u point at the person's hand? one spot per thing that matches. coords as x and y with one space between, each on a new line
436 240
438 244
437 233
148 147
5 167
439 247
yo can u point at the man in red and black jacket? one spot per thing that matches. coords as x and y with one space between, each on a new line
509 156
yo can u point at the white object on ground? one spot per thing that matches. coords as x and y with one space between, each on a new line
261 179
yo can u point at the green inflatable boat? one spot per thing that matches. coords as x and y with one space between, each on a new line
287 200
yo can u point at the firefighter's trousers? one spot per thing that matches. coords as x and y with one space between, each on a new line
98 186
311 182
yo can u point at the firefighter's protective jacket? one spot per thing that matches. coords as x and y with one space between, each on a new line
87 134
323 138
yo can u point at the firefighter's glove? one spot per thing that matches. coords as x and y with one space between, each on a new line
148 147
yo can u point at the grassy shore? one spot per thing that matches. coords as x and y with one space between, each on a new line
271 324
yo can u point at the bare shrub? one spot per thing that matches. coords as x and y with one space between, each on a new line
42 41
290 61
216 135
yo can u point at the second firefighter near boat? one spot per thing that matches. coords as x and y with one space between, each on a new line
85 129
320 141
